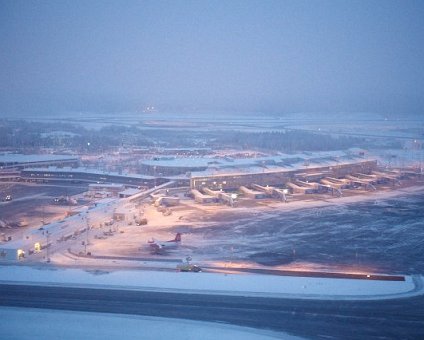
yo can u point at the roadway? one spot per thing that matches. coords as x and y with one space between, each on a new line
205 268
394 319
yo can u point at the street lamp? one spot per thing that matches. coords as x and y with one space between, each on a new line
86 235
47 246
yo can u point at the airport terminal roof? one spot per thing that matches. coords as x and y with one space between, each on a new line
179 162
275 163
284 160
15 158
82 170
105 185
281 163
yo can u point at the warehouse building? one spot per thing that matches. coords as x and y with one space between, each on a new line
19 161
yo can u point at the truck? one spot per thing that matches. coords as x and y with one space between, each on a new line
188 267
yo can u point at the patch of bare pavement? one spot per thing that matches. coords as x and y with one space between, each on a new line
233 270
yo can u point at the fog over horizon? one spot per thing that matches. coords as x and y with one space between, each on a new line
275 57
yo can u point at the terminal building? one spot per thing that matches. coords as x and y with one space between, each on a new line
232 173
215 173
20 161
172 166
279 175
84 175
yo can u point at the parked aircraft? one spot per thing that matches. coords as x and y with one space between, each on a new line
161 246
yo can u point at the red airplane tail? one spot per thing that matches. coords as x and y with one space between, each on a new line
178 237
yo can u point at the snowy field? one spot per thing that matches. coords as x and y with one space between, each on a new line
64 325
377 232
366 123
216 283
380 235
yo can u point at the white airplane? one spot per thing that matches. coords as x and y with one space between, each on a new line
160 246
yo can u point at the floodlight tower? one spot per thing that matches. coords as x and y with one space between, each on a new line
86 235
47 246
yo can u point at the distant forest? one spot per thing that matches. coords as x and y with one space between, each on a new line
288 141
32 135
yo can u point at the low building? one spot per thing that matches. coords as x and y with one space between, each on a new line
128 193
20 161
84 175
112 188
167 201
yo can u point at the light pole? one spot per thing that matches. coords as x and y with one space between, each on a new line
86 235
47 246
43 214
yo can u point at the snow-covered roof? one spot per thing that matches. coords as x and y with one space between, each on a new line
129 192
321 158
17 244
82 170
105 185
281 164
58 134
179 162
20 158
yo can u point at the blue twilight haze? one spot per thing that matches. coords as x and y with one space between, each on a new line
270 56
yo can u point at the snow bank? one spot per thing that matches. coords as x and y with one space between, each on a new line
216 283
54 324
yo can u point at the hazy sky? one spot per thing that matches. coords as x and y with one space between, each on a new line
276 56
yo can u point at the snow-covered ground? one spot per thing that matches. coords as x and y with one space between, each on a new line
217 283
54 324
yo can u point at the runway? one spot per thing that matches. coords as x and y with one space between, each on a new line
399 318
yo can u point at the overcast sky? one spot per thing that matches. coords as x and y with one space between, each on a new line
275 56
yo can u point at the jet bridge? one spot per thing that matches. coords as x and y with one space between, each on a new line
297 189
202 198
221 195
311 185
333 184
252 193
338 180
388 176
365 182
334 187
318 187
365 176
272 191
337 183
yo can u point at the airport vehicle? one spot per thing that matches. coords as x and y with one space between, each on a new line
187 267
109 222
161 246
141 221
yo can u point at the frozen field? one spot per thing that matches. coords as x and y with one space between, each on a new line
377 236
53 324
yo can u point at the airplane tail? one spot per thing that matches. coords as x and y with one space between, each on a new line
178 237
